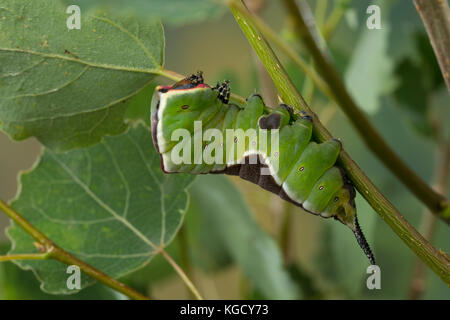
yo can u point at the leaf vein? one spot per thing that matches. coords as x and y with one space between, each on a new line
122 177
103 204
132 36
68 83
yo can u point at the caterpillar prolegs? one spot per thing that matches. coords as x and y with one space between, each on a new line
196 130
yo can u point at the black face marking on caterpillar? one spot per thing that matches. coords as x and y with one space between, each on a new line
288 108
307 176
190 82
224 91
255 95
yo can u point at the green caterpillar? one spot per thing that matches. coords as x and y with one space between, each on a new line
300 171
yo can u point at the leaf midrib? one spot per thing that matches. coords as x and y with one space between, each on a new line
84 62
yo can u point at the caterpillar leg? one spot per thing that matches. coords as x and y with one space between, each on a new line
224 91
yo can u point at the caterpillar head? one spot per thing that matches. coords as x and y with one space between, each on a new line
178 106
342 208
345 212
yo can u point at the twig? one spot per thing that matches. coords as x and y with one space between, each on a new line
420 246
51 250
55 252
435 15
30 256
428 224
436 202
184 255
182 275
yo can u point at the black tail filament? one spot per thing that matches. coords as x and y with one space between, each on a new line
363 242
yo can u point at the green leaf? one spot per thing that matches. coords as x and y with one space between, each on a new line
17 284
418 92
68 87
110 205
139 105
370 63
405 22
173 12
252 249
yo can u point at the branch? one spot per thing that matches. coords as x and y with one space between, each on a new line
26 256
428 223
435 15
436 202
50 250
435 259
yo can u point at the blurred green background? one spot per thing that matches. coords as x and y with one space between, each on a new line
392 73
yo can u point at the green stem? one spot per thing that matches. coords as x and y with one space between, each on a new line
53 251
184 255
25 256
182 275
429 221
420 246
435 15
433 200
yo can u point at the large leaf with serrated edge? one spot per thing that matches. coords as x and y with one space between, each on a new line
109 205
